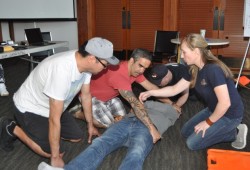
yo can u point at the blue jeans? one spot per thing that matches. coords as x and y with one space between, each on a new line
223 130
129 132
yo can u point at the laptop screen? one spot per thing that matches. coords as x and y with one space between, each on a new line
34 36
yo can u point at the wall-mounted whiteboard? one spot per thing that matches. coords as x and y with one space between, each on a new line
246 18
37 10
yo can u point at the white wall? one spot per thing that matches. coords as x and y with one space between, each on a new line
61 31
37 9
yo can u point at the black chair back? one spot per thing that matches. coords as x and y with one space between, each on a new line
163 47
163 42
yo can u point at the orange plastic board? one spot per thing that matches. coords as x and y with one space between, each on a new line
227 160
244 80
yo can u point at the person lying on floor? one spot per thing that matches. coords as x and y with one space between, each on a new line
129 132
213 81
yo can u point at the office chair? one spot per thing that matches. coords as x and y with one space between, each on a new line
163 47
35 58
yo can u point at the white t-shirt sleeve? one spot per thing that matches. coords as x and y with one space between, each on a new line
87 78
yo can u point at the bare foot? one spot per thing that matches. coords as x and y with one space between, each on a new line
79 115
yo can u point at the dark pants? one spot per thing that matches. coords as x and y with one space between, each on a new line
37 128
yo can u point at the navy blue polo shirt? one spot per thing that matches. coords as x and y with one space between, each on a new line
211 76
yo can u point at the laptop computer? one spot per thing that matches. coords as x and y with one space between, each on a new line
35 38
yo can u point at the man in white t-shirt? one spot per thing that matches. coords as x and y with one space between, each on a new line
41 101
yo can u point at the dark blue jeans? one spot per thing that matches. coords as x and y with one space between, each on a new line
129 132
223 130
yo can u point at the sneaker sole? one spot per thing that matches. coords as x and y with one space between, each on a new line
45 166
4 95
245 140
4 92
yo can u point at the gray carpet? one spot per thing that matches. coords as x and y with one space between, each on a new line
170 153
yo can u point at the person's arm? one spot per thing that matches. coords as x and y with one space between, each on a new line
223 102
150 86
86 100
141 113
183 98
56 109
220 109
166 91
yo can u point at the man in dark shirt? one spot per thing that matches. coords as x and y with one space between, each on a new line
165 114
167 75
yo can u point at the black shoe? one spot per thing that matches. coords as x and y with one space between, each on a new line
7 138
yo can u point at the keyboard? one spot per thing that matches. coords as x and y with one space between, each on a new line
42 44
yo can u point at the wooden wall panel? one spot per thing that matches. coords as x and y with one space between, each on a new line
104 18
82 24
108 21
195 15
170 15
146 18
234 29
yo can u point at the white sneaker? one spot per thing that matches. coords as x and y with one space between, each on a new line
3 90
241 138
45 166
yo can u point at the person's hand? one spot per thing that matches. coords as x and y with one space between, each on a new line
57 161
155 134
177 108
93 131
202 126
144 95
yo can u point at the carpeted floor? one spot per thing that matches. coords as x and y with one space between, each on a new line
170 153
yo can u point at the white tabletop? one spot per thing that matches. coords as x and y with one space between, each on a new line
210 41
33 49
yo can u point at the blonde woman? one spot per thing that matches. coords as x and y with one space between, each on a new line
213 81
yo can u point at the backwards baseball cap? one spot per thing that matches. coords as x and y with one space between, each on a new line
157 73
102 49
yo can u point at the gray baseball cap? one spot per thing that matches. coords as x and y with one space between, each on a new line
102 49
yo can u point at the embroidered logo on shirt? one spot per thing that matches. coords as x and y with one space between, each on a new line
203 82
